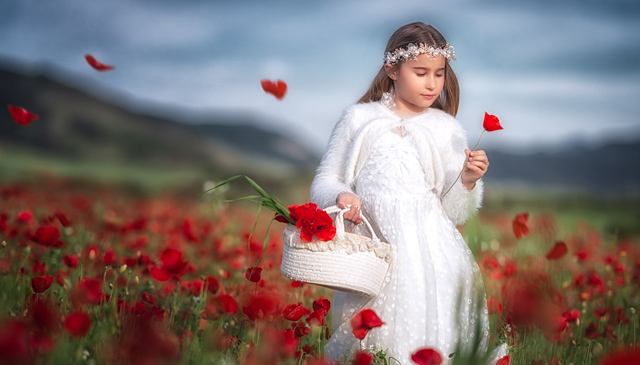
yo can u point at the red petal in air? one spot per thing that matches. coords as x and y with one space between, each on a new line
557 251
491 122
21 115
97 65
277 89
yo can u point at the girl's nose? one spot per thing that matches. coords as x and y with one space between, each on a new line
431 83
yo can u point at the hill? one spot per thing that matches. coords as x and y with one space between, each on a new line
76 124
79 126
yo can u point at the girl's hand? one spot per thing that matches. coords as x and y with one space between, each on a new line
475 168
353 215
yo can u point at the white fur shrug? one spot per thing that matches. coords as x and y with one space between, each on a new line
438 137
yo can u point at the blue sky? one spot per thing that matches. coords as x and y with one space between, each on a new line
553 71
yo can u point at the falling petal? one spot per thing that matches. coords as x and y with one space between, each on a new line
277 89
21 115
97 65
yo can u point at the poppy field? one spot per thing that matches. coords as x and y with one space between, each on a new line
96 274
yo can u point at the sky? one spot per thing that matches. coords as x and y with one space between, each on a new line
556 73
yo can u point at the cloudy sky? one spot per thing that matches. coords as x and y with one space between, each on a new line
555 72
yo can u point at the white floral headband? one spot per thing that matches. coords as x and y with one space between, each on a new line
412 52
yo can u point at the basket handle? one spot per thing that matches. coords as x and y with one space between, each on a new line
339 221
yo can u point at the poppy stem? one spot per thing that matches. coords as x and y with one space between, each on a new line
464 164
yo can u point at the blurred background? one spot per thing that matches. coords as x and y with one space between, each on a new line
184 103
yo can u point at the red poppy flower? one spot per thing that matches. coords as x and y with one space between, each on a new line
70 261
212 284
42 342
322 303
600 312
572 315
280 218
491 122
253 274
426 356
504 360
223 303
362 358
44 315
63 219
363 321
592 331
77 324
293 312
300 329
46 236
304 216
173 264
38 268
323 226
317 316
558 250
148 298
621 356
87 291
25 216
41 283
109 258
277 89
521 225
21 115
97 65
14 348
494 306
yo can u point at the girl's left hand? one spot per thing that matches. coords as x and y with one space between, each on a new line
475 168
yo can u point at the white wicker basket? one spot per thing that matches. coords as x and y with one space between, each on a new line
350 262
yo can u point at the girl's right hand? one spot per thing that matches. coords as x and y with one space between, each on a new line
345 199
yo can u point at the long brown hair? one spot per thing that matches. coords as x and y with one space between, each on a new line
416 33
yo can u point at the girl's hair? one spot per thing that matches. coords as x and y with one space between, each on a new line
416 33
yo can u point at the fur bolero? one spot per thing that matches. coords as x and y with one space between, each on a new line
438 137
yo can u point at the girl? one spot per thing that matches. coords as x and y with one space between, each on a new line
392 156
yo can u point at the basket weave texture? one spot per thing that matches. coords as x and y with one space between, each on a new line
350 262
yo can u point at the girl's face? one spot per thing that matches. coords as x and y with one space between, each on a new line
417 83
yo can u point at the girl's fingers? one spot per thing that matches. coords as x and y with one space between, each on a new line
479 164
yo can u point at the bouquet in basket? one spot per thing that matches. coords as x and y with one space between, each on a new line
308 217
337 260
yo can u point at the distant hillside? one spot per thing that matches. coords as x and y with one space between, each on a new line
612 168
76 124
73 123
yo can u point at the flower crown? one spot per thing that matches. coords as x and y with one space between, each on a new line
412 52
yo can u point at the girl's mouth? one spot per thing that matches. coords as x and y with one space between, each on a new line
428 96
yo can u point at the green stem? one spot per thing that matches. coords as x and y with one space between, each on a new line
465 163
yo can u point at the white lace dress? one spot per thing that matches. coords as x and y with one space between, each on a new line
431 264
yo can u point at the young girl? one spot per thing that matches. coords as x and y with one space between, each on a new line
392 156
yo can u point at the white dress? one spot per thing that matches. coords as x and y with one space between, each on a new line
431 263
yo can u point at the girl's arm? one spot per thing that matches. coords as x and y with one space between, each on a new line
330 175
459 203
